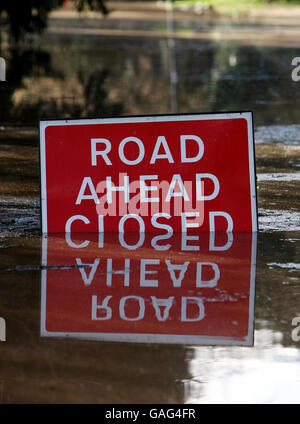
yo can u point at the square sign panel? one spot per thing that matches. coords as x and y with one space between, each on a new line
180 173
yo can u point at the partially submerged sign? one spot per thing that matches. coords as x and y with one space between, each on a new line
177 173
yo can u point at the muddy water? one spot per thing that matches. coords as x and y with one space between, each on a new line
52 353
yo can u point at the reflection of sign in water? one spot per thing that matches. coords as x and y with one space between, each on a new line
142 174
104 287
2 69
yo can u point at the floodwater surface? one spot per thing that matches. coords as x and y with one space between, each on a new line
89 320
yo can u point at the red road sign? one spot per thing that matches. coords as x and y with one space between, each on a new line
97 287
181 173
